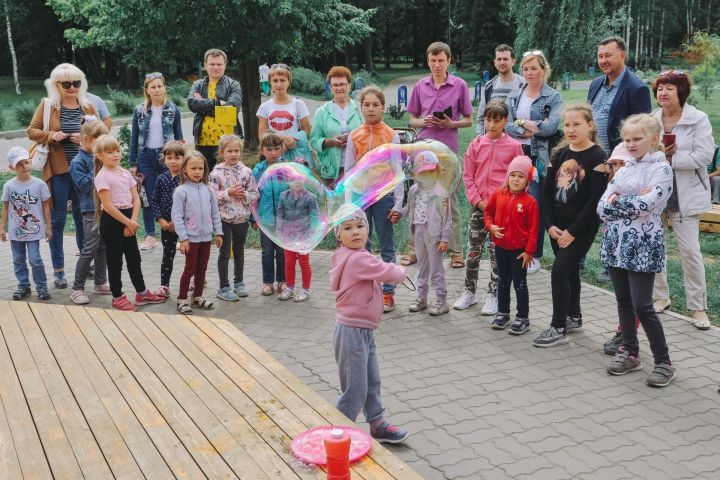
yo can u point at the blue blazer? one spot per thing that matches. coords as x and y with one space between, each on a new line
633 97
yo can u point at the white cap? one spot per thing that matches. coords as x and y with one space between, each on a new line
17 154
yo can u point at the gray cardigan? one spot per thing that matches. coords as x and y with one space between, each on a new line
195 213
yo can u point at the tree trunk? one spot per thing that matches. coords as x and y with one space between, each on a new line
628 21
662 32
367 51
131 78
93 64
251 101
638 30
11 46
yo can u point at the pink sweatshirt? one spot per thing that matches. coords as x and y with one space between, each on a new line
486 163
356 277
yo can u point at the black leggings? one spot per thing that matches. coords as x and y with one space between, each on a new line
565 278
234 235
117 244
169 243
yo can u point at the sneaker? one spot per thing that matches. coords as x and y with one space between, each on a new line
79 297
603 276
418 305
59 279
302 295
388 303
439 308
614 345
163 291
240 289
502 320
286 294
490 306
661 305
623 363
227 294
387 433
43 294
148 244
22 292
519 326
267 290
102 289
534 265
467 299
662 375
147 297
551 337
122 303
573 324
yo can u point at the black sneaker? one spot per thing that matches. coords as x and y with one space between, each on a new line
22 292
573 324
387 433
502 320
551 337
519 326
614 345
44 294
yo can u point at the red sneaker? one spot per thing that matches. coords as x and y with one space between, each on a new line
122 303
388 303
147 298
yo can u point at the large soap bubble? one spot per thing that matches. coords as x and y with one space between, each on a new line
295 210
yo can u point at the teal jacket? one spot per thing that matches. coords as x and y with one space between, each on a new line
326 124
269 199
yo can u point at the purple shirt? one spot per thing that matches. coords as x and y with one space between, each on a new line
426 99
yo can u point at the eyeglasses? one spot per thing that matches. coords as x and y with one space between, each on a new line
150 76
69 85
280 65
338 85
534 52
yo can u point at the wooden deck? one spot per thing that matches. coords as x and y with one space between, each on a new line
93 393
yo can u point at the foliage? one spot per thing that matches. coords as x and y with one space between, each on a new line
124 139
24 111
307 81
704 51
123 102
395 111
367 78
177 92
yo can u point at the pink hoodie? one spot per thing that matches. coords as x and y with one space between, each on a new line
356 276
486 163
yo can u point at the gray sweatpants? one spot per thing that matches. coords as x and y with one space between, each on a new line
430 264
359 374
93 249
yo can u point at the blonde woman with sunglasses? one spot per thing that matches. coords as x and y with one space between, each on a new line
69 107
155 122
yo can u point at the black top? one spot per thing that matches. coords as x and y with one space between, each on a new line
574 183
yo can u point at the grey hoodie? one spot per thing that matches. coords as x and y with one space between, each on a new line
195 212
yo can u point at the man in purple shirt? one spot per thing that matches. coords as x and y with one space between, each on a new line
437 93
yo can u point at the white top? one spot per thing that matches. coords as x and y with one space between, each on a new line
263 70
523 111
155 130
284 119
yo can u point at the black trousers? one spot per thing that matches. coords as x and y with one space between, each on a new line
234 235
565 278
210 154
169 243
117 245
510 270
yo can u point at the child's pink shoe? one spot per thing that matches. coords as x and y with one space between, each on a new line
122 303
147 297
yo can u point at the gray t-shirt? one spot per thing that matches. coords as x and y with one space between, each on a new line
25 208
99 105
500 91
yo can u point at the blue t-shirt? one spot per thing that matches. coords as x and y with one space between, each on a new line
99 105
25 208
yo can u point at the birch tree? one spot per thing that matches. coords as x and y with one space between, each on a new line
11 47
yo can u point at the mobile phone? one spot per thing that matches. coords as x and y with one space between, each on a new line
439 115
668 139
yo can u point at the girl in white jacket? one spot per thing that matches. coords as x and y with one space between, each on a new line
633 247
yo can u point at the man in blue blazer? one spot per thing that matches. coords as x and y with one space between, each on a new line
617 94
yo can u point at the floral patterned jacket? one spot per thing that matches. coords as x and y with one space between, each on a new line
223 179
634 238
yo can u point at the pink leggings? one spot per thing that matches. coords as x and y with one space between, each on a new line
304 260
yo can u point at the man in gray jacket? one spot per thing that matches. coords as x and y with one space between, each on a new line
500 86
217 89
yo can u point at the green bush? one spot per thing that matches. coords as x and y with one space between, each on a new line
24 111
124 140
123 102
177 91
308 81
2 121
367 78
395 111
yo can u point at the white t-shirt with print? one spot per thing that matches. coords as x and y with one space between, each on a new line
283 119
25 208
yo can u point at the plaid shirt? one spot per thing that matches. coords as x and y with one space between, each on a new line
601 109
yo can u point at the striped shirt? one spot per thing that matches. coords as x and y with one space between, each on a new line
601 109
500 91
70 123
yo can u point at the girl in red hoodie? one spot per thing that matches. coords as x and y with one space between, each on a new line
511 217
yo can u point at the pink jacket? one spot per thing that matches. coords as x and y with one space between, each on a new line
486 163
356 277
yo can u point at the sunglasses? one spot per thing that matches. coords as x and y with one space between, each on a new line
280 65
68 85
534 52
674 72
150 76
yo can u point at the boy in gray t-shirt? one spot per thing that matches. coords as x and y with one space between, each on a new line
26 211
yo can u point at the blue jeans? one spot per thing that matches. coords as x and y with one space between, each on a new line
510 270
273 260
377 215
149 165
536 190
20 259
62 189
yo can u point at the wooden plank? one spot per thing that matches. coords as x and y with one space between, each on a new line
193 439
384 457
198 352
147 340
21 437
88 455
9 463
113 447
58 451
294 399
163 437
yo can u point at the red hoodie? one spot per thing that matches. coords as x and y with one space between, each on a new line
518 214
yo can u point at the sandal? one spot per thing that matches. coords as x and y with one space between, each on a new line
408 259
184 307
267 289
203 303
457 261
701 320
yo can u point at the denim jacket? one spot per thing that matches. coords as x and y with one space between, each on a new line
227 90
548 123
171 125
82 172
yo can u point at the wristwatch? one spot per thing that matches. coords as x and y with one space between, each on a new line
520 122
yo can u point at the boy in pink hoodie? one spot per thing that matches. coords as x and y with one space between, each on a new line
356 277
486 162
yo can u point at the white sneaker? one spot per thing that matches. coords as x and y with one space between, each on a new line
490 307
79 297
534 266
467 299
148 244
